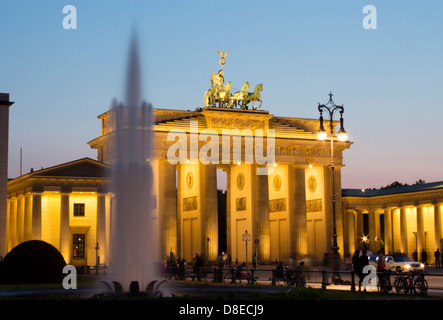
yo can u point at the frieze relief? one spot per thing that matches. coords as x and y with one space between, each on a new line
314 205
237 123
277 205
240 204
190 203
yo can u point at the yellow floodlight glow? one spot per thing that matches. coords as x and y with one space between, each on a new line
321 135
342 136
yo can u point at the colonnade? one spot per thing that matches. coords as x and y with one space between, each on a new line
272 212
408 229
49 216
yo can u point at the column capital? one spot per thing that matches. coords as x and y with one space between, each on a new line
65 190
37 190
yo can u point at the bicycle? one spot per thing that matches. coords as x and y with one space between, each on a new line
233 276
420 283
285 276
401 282
385 284
413 283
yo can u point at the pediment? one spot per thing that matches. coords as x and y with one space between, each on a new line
85 168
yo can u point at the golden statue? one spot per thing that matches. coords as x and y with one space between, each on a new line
222 60
218 78
220 93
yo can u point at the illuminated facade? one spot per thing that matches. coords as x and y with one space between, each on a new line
406 219
4 142
67 205
287 213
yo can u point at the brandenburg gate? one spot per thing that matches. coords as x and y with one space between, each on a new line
278 177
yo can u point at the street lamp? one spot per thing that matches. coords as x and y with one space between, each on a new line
246 238
342 135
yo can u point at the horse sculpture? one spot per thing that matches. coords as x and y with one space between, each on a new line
208 99
221 93
253 97
239 96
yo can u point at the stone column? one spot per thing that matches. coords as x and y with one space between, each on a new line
388 230
20 218
12 223
27 229
65 234
420 231
298 238
403 231
209 210
359 235
36 216
350 225
4 146
437 226
228 210
168 208
179 209
372 231
101 225
260 215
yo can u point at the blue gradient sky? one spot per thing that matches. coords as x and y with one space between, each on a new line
389 80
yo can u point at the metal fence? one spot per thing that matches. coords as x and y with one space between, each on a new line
324 278
321 278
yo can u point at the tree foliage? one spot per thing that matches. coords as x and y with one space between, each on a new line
397 184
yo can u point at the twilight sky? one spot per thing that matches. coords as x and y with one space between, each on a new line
388 79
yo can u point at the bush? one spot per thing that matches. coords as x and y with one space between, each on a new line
32 261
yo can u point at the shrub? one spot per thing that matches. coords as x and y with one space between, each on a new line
32 261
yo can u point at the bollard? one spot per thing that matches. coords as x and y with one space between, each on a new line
273 283
297 279
232 276
352 281
324 282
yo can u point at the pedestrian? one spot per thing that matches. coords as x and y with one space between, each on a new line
355 264
437 258
300 280
348 261
242 273
326 259
363 261
181 268
307 262
279 270
196 265
220 264
381 271
424 257
254 261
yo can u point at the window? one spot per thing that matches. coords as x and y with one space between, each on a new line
79 209
78 246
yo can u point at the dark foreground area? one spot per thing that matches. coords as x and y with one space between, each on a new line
185 300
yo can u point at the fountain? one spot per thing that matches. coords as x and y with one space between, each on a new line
132 234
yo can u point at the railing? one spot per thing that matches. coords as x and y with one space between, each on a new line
268 276
289 277
92 270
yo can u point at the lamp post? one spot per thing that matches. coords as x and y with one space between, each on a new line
246 238
330 108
